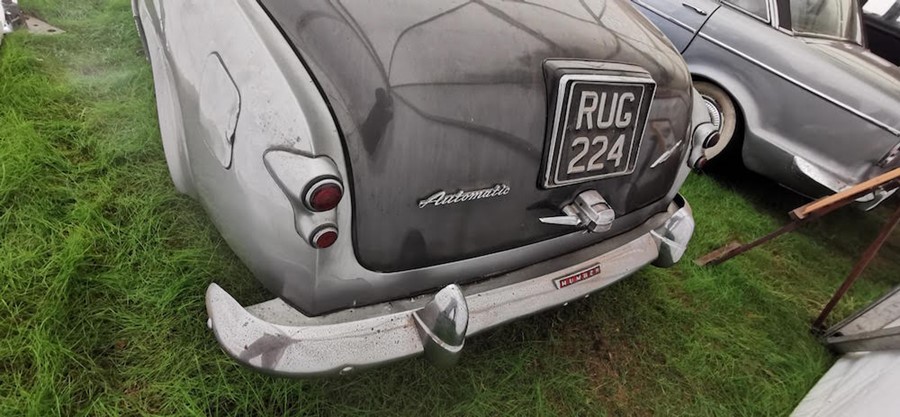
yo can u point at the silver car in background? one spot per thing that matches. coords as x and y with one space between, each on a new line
791 86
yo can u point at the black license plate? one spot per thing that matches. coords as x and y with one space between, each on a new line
597 130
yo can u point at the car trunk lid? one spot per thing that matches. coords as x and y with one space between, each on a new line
445 109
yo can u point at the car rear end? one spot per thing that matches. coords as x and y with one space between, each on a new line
462 165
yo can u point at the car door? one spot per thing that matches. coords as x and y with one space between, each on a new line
795 99
679 20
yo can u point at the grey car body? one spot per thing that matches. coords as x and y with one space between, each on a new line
402 101
820 111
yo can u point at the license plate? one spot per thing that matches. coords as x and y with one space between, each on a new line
577 277
597 129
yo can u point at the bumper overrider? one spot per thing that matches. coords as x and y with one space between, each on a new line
275 338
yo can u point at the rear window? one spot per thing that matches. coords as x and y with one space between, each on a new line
837 19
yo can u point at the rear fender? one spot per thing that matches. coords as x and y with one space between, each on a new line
168 107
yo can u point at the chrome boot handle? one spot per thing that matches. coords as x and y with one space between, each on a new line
589 210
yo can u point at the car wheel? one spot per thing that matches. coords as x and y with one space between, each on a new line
723 113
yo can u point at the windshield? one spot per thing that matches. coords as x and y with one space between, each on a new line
829 18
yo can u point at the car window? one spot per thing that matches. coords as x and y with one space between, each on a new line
758 8
829 18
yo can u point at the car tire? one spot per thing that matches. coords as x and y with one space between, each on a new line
723 112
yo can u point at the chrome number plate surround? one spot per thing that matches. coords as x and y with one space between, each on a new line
580 149
577 277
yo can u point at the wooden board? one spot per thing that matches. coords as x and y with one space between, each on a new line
716 255
852 193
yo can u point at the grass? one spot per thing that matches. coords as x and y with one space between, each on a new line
103 268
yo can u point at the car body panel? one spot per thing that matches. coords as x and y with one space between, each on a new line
452 95
282 105
800 96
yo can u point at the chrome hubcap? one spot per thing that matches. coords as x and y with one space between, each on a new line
714 113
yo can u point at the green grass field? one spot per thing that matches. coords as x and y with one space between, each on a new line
103 267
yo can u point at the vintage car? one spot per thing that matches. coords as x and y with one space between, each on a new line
404 174
882 27
792 88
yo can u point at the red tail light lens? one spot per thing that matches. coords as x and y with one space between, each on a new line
324 237
324 195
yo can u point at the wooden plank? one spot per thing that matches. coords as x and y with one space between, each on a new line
718 254
841 198
735 248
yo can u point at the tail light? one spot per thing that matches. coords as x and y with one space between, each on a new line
324 237
323 195
706 135
314 187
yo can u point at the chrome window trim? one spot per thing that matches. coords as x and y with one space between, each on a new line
767 20
665 16
802 85
774 16
821 36
785 31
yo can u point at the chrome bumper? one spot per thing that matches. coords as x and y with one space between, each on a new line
275 338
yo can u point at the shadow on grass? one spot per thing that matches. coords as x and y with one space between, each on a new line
847 231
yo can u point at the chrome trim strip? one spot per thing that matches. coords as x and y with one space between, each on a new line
775 18
802 85
666 155
767 20
665 16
